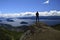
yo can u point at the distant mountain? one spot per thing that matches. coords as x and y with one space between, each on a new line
42 17
24 22
0 20
34 17
9 20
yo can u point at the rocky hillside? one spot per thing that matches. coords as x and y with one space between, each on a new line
56 27
41 32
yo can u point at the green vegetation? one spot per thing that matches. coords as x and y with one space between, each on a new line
56 27
9 35
41 31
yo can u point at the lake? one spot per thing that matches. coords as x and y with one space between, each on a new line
20 22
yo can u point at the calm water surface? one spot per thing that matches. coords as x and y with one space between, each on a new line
17 22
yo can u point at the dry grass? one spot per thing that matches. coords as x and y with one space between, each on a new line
45 33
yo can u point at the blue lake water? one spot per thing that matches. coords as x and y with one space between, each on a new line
17 22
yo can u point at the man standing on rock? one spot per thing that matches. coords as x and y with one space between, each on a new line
37 17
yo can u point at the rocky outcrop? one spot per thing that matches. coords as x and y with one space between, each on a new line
41 32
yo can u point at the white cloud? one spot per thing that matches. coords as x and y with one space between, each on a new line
28 14
46 2
9 15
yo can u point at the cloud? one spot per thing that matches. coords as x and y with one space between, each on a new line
9 15
46 2
29 14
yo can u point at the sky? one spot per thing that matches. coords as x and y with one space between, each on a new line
16 7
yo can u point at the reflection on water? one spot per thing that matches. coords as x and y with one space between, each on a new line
17 22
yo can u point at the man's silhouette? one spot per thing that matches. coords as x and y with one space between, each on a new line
37 17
